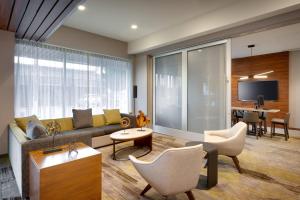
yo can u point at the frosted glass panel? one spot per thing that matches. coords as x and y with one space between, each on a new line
206 89
168 91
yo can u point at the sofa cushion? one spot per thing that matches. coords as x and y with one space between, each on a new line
98 120
66 124
87 131
82 118
112 116
112 128
23 121
35 130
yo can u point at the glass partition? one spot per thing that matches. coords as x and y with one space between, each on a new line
206 87
192 89
168 91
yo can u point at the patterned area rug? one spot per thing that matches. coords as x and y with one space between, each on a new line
271 170
8 188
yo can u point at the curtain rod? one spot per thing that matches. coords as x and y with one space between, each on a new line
76 50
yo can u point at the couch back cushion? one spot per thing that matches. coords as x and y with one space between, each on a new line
98 120
23 121
66 124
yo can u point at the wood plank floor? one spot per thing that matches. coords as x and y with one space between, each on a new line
271 171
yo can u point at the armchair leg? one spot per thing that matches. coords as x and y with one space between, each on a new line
190 195
236 163
147 188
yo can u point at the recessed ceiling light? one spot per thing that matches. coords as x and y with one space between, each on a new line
134 26
81 7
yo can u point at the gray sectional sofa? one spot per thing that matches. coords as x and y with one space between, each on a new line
20 146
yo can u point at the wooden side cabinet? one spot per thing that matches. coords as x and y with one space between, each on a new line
61 176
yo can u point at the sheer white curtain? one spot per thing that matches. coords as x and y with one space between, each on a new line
50 81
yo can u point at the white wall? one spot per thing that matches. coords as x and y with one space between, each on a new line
7 46
141 82
294 89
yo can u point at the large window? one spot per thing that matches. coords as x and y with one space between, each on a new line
51 81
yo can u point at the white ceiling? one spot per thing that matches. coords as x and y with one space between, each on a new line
276 40
112 18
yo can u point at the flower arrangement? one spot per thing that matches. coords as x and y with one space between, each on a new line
142 120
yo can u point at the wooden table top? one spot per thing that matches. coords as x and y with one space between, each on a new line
42 160
131 134
256 110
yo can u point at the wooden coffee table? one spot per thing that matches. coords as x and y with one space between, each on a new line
142 143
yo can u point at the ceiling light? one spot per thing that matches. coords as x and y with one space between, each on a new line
260 76
81 7
244 78
134 26
264 73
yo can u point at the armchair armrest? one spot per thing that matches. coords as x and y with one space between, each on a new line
220 133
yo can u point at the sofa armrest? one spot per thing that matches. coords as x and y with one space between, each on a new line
17 132
132 119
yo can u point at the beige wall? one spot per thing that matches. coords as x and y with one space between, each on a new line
294 89
81 40
143 70
7 45
141 81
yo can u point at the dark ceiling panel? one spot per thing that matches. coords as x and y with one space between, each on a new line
34 19
55 19
30 13
6 7
17 14
55 12
41 16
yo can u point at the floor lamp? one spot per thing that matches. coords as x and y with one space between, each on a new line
134 97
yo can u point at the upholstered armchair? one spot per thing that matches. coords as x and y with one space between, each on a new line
229 142
174 171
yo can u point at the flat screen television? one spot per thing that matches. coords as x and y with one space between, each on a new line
250 90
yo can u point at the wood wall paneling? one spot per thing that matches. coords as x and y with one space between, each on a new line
279 62
34 19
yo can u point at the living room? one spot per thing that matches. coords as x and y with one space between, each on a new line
150 104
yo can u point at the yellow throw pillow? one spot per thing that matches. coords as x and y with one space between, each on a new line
112 116
23 121
66 124
98 120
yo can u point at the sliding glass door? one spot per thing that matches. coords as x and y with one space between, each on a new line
206 86
168 91
192 89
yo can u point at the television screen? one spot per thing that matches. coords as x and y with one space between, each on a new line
249 90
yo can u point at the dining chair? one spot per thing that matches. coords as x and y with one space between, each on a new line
283 122
252 118
263 117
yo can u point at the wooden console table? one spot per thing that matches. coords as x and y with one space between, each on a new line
62 176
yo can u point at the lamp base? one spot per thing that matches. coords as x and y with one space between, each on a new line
51 150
